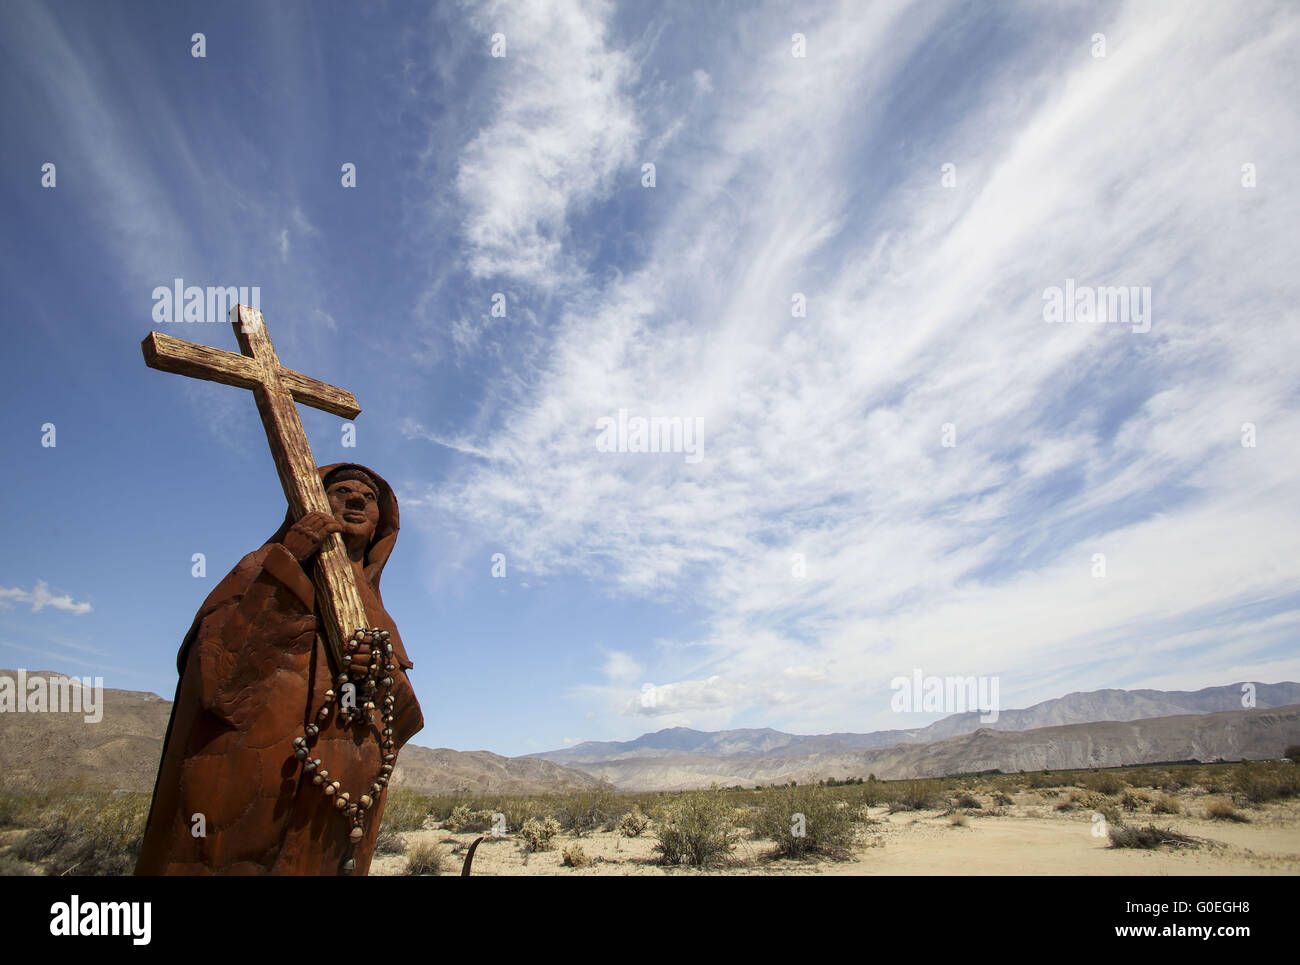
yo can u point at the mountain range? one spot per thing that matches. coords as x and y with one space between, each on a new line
1076 708
1105 728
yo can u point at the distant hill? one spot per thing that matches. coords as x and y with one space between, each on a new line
1077 708
121 752
1232 735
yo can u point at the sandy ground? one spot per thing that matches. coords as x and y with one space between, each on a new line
1030 838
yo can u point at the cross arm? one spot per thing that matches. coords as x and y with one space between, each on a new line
169 354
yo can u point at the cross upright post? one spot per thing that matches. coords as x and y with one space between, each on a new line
276 391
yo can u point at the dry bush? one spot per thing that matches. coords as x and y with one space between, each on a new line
698 829
967 800
574 857
1132 800
581 812
1122 836
537 834
914 796
1104 782
1037 779
1002 800
87 834
634 824
1166 804
959 820
462 819
1260 783
404 810
389 842
829 824
1224 811
519 810
425 858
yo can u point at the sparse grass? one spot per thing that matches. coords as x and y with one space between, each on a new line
425 858
698 829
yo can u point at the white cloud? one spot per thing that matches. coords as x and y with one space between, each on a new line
40 597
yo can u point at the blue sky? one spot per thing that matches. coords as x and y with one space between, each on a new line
643 590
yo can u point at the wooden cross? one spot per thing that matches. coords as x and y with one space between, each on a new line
276 389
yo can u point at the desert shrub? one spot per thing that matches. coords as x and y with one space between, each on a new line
1260 783
574 857
404 810
519 810
582 812
87 834
1002 800
1104 782
1224 811
697 829
1122 836
11 867
913 796
1132 800
1037 779
959 820
634 824
462 819
1166 804
389 842
424 858
537 833
1092 802
828 827
967 800
1292 753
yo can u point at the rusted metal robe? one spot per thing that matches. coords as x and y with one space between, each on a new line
254 671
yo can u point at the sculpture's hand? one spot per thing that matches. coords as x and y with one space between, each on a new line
306 536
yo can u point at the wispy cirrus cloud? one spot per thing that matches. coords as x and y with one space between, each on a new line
925 309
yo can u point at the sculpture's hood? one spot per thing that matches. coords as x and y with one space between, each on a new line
381 543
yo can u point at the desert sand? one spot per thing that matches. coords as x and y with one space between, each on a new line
1027 838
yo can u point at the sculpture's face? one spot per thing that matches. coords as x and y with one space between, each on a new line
356 506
